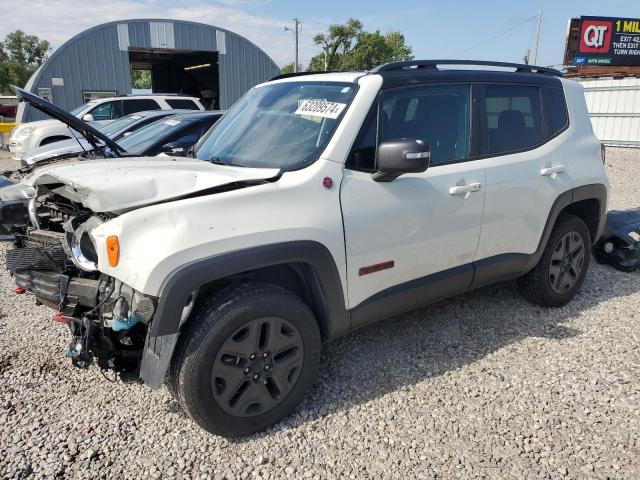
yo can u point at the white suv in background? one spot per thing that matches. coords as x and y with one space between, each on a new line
35 134
316 205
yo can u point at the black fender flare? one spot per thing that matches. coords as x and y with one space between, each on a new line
596 191
164 330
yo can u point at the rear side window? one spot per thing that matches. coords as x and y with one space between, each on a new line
514 118
183 103
140 105
556 109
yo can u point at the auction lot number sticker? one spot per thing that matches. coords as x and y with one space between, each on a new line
320 108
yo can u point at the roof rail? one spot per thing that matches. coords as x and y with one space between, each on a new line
297 74
433 65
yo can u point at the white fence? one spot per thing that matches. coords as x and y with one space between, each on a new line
614 108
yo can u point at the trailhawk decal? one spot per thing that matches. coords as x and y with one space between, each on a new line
320 108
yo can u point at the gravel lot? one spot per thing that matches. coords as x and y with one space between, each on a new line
483 385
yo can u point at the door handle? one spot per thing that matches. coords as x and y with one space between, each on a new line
465 189
553 171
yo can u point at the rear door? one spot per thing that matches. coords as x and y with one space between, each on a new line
526 170
400 233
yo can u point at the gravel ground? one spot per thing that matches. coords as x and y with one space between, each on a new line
483 385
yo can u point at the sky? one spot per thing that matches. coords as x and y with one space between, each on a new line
435 29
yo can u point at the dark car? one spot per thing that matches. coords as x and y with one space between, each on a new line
174 135
115 130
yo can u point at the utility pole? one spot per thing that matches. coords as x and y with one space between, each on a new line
538 22
296 31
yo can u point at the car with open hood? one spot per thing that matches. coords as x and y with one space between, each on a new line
319 203
28 136
116 130
138 135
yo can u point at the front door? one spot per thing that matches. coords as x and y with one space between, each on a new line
413 239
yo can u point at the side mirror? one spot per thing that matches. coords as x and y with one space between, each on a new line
399 156
171 149
87 117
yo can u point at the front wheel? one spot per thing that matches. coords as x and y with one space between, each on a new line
563 266
246 359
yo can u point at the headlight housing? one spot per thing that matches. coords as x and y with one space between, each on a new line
79 244
21 131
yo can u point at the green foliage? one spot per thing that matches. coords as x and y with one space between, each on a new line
20 57
288 68
350 47
141 79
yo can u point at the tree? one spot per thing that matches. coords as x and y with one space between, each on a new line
141 79
375 49
336 44
288 68
350 47
20 56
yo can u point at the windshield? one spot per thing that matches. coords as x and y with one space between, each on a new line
280 125
110 129
142 139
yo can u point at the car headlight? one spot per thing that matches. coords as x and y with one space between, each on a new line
79 244
21 131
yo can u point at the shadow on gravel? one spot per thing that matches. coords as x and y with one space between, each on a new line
443 337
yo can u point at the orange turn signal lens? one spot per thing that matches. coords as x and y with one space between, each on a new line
113 250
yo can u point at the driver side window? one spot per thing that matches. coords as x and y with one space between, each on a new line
440 115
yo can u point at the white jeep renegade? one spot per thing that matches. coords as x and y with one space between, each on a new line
317 204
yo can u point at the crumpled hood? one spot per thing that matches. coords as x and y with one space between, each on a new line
120 184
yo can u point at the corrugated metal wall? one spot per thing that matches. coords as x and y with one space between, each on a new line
98 60
614 108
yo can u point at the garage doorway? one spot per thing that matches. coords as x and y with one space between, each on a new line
186 72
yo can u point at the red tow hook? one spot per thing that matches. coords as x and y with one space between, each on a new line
20 291
60 318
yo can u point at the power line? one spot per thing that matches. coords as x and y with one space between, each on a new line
491 39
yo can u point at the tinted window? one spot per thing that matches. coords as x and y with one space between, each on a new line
439 115
140 105
363 152
107 111
161 131
183 104
514 118
556 109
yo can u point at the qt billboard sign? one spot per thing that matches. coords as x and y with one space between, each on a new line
608 41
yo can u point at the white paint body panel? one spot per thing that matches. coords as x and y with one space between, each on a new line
119 184
413 221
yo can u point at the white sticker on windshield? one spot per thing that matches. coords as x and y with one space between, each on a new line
320 108
172 123
136 117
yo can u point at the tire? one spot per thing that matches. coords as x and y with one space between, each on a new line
558 276
246 359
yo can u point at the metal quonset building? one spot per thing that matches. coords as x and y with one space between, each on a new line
191 58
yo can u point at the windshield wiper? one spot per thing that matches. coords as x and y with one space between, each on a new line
217 161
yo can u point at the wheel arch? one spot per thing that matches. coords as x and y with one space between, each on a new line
588 202
305 267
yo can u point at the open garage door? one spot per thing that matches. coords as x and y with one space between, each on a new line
186 72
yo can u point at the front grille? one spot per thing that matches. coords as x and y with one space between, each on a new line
36 258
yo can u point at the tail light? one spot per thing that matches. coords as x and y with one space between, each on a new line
603 153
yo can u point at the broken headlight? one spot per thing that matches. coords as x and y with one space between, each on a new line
79 244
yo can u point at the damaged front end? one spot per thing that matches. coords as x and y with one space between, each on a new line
55 259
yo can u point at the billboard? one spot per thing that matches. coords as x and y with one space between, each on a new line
608 41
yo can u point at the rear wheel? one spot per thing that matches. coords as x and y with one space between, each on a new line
563 266
246 359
